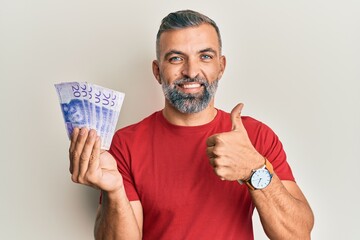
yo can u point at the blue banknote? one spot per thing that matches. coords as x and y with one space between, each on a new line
96 103
115 105
88 105
85 94
72 106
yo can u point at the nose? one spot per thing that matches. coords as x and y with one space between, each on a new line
191 68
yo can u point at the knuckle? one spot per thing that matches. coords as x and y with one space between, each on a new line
217 151
219 139
219 162
222 174
218 171
75 155
92 158
84 158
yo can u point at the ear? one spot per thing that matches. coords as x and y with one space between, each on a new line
222 66
156 70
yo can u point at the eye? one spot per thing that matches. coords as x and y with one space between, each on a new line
175 59
206 57
72 110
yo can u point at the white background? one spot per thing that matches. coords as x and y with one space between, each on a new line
295 65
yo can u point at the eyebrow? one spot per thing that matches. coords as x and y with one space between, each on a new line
208 50
171 52
182 53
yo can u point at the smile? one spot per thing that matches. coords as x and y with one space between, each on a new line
190 85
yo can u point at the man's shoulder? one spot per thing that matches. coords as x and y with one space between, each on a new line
251 122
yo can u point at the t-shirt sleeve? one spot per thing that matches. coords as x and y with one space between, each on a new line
120 151
269 145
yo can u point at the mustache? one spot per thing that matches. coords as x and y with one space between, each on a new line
187 80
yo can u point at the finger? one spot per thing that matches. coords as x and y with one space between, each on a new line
211 141
236 117
73 139
210 152
94 161
86 154
76 153
212 162
220 172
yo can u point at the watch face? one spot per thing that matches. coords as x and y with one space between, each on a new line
260 178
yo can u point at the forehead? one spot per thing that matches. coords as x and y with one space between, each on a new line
189 39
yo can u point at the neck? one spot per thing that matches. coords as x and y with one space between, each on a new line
189 119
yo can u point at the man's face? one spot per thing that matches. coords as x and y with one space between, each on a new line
189 67
76 114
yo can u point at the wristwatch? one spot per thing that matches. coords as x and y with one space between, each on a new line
261 178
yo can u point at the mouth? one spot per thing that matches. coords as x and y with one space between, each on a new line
190 85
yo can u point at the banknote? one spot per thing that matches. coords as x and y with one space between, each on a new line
117 99
92 106
96 104
105 110
72 106
85 94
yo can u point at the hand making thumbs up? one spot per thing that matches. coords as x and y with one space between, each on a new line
232 154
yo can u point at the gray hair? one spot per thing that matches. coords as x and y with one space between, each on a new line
183 19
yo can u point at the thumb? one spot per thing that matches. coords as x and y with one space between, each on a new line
236 117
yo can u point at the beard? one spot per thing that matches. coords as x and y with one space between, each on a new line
190 102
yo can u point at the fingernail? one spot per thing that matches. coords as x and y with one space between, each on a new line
91 133
82 131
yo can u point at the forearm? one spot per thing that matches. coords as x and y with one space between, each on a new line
282 215
116 219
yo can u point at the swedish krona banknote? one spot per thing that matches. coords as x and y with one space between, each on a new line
88 105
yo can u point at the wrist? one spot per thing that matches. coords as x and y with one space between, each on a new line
113 197
258 161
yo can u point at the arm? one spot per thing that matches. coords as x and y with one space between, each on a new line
117 218
113 217
283 209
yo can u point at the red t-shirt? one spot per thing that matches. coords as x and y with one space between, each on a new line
167 169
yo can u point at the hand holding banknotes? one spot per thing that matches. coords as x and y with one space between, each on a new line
89 165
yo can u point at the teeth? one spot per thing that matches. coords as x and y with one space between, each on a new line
192 85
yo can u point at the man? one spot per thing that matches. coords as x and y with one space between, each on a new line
176 174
